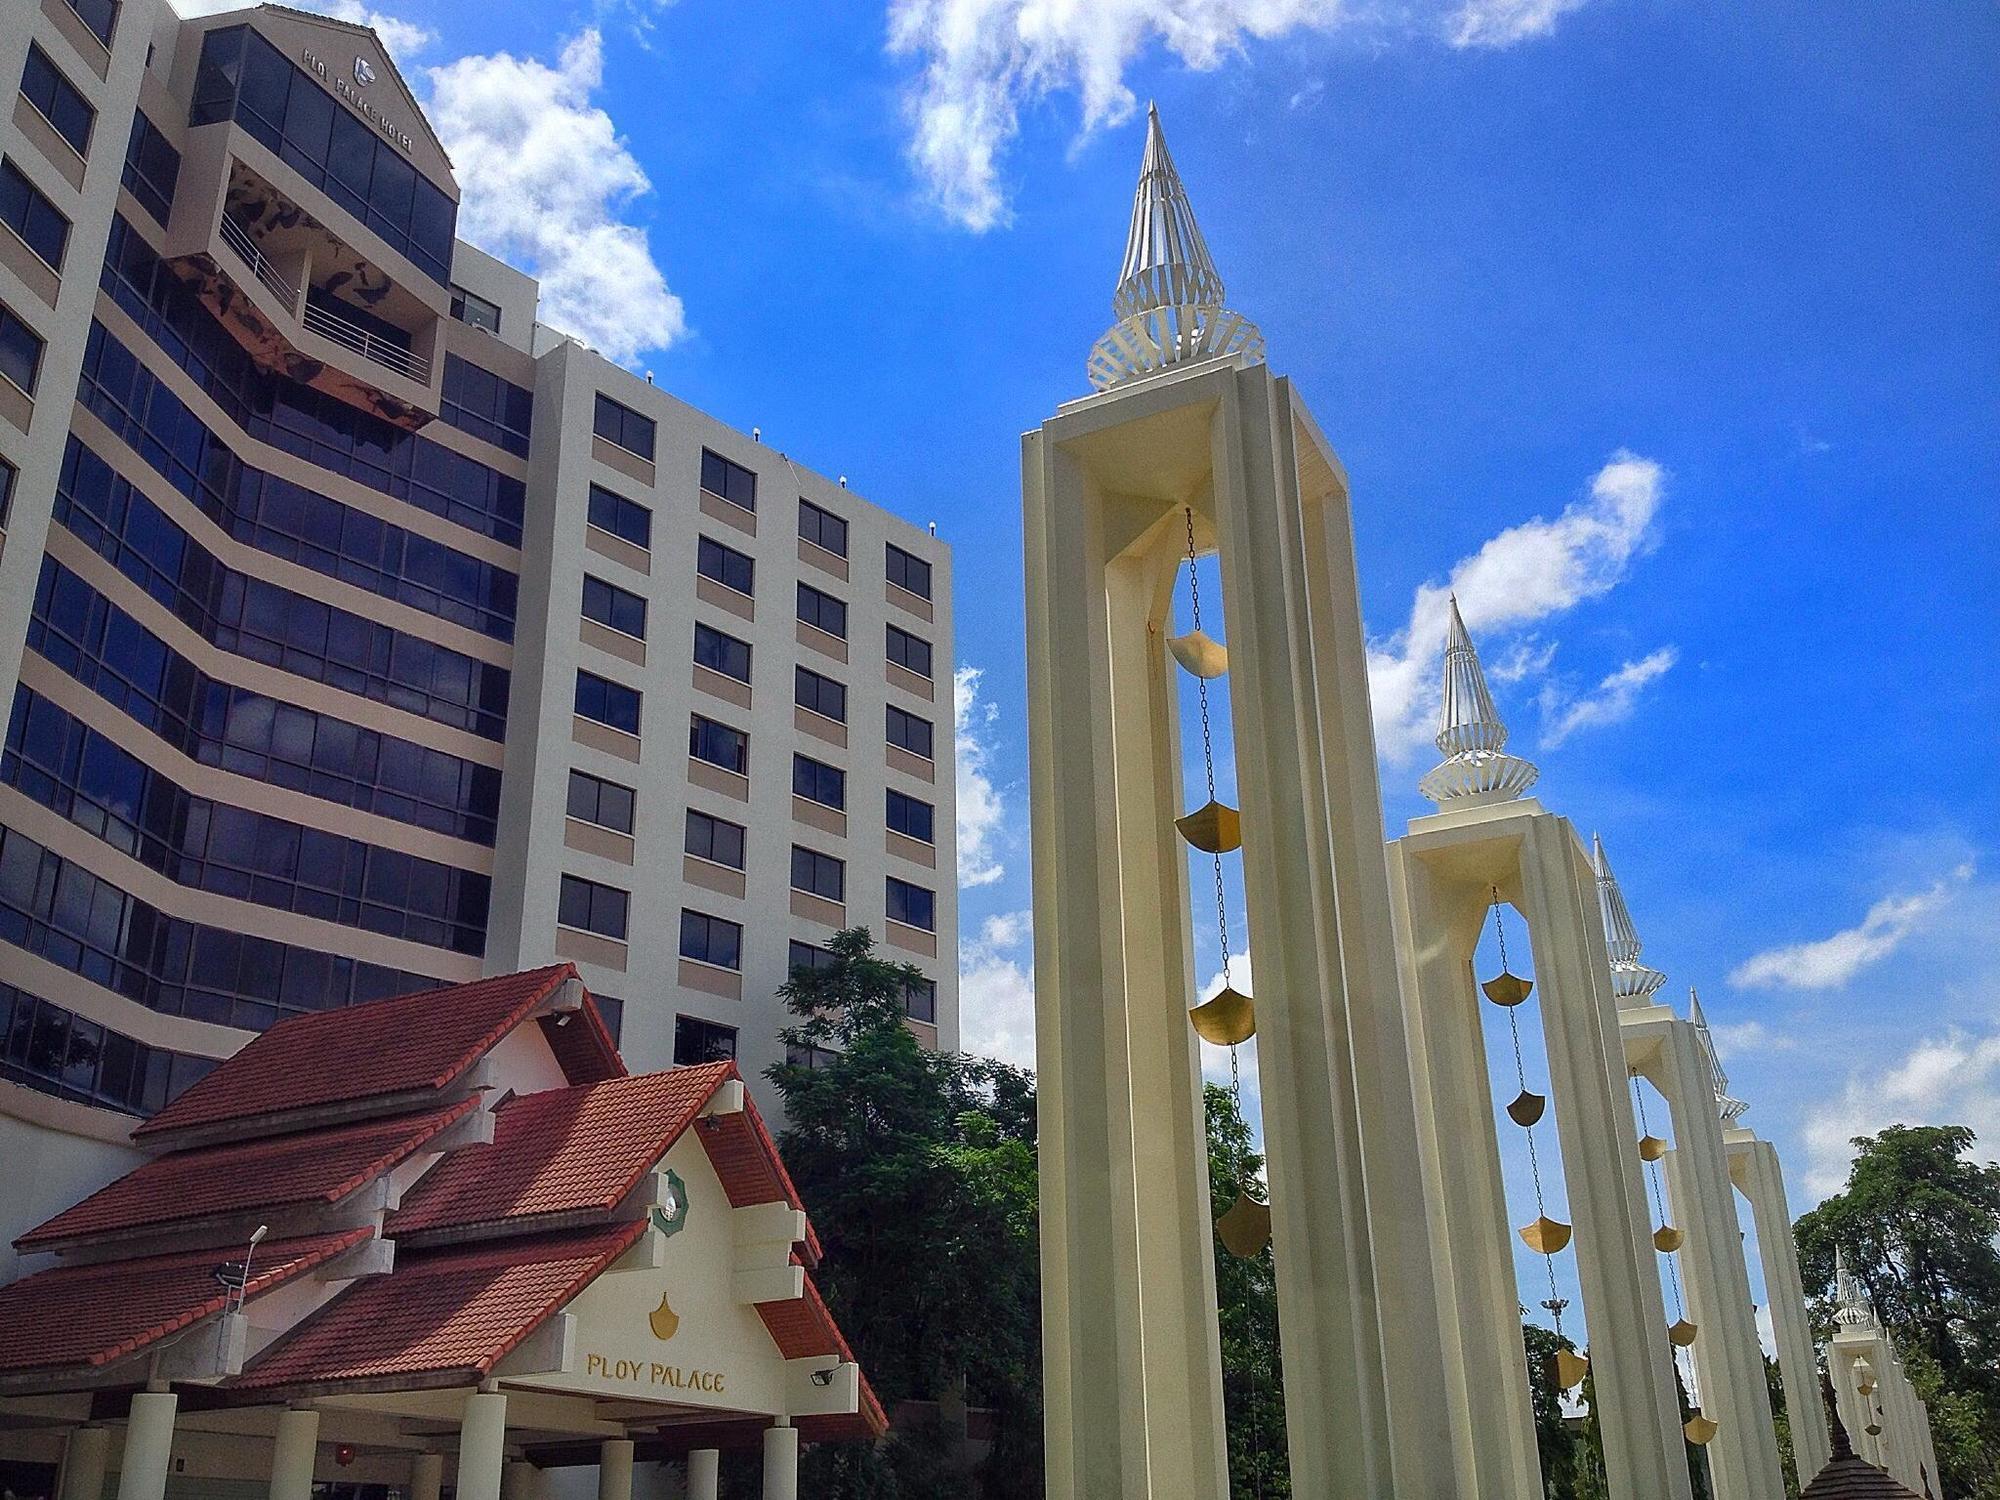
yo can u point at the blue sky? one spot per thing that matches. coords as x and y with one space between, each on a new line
1667 331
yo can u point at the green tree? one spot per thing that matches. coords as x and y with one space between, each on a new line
1246 1295
1566 1444
1919 1223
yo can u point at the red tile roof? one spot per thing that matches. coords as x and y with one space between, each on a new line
318 1166
564 1151
81 1316
442 1316
802 1327
409 1044
746 1160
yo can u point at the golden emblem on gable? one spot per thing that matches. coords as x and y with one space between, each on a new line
664 1320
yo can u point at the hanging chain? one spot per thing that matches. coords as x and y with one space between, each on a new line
1672 1259
1521 1080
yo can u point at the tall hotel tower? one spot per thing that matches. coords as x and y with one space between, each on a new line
361 632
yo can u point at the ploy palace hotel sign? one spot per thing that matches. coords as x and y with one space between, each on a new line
364 74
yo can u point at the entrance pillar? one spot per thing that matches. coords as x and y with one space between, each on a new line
293 1452
426 1476
781 1463
704 1467
84 1457
1754 1166
520 1480
149 1446
482 1445
614 1469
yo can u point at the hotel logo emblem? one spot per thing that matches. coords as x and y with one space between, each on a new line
364 71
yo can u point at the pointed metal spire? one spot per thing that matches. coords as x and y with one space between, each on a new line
1476 767
1169 297
1632 983
1728 1106
1852 1309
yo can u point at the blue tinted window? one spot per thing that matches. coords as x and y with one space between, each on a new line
152 168
27 211
43 85
479 402
607 702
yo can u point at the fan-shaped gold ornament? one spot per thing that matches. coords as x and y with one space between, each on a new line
1681 1334
1866 1387
1651 1148
1667 1239
1873 1429
1199 654
1700 1429
1546 1236
1226 1019
1526 1108
1570 1368
1507 989
1213 828
1245 1228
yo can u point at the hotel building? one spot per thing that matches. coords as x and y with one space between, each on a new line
362 633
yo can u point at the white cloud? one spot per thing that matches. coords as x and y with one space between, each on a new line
1308 95
1829 962
1610 702
545 176
1742 1037
996 991
1953 1079
982 61
1525 574
981 809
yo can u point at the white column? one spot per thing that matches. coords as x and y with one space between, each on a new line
1755 1164
426 1476
149 1446
482 1445
84 1457
781 1463
519 1480
614 1469
704 1468
293 1452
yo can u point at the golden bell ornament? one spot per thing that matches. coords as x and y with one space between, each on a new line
1651 1148
1700 1429
1526 1108
1570 1368
1226 1019
1546 1236
1200 655
1681 1334
1245 1227
1507 989
1213 828
1667 1239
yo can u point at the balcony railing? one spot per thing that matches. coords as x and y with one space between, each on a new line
331 325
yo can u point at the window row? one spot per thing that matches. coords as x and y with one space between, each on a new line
721 745
275 515
58 1052
105 789
263 622
309 424
591 906
26 209
478 402
249 733
152 168
57 910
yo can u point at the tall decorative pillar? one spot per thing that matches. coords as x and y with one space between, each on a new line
426 1476
149 1446
482 1445
1192 441
293 1453
1486 844
781 1462
84 1457
614 1469
704 1469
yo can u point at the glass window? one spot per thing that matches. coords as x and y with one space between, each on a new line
820 695
47 1048
713 839
818 874
697 1041
819 782
477 401
908 571
217 74
711 940
152 168
912 818
626 519
620 609
719 745
920 1000
605 803
43 85
728 567
20 351
812 1059
607 702
721 653
624 426
25 210
806 956
470 307
612 1010
911 905
908 732
592 907
822 611
822 528
8 474
101 16
911 652
728 481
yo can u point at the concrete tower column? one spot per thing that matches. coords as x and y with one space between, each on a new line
149 1446
426 1476
519 1480
614 1469
293 1453
781 1463
704 1470
1754 1165
482 1445
84 1457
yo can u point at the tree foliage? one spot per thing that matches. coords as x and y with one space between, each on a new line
1246 1295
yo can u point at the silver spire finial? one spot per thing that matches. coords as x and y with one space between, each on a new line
1852 1308
1476 767
1169 297
1727 1105
1632 983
